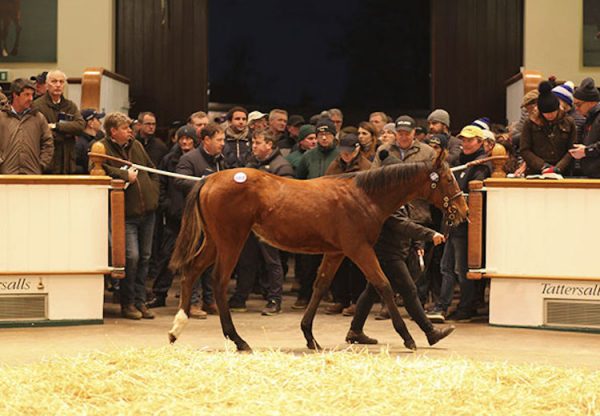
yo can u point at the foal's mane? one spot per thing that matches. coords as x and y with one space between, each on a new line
382 178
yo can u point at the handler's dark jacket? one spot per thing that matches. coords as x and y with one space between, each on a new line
141 197
196 163
238 148
155 148
69 123
26 144
473 173
544 142
590 164
274 163
395 239
171 200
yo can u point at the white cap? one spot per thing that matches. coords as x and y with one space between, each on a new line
256 115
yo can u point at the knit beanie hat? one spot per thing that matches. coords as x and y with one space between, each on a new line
483 123
390 127
587 91
306 130
547 102
440 139
564 92
439 116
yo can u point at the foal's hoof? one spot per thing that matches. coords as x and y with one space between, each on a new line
244 347
172 338
313 345
410 344
436 335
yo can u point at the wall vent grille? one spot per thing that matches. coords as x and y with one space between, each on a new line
572 313
23 307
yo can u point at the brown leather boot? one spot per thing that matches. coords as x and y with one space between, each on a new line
436 334
196 312
146 312
353 337
130 312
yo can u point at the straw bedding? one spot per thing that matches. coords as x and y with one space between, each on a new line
182 381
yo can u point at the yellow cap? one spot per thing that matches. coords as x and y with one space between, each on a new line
471 131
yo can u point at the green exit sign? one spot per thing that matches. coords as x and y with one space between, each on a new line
3 76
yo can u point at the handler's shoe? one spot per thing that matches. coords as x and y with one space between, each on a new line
436 315
383 314
196 312
210 308
146 313
237 305
272 308
130 312
300 304
334 309
436 335
353 337
157 302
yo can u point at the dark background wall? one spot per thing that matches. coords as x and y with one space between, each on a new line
164 53
476 45
359 55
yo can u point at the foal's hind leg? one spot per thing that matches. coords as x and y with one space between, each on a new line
327 269
366 260
203 261
221 277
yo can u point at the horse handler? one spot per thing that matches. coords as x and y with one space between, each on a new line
141 201
392 249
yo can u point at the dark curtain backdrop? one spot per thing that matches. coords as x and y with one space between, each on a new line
360 55
476 45
164 52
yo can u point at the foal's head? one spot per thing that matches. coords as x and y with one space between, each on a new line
446 194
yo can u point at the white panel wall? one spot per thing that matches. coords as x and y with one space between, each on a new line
53 228
542 232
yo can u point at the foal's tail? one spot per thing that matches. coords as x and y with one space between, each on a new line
187 247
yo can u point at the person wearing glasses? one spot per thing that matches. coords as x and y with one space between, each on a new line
586 100
154 146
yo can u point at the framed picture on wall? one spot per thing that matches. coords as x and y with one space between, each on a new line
28 30
591 33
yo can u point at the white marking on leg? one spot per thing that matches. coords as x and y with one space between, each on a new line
179 323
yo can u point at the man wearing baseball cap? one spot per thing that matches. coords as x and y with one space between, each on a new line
454 260
83 141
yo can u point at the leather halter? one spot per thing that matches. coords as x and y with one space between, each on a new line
450 209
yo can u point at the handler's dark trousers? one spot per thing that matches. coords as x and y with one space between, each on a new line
402 282
253 253
138 247
164 277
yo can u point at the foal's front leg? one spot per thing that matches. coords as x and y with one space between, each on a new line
329 265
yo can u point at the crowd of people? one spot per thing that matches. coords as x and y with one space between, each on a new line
43 132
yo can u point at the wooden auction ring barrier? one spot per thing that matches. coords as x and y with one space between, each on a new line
117 214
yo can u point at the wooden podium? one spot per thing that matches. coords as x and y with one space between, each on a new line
536 240
516 87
